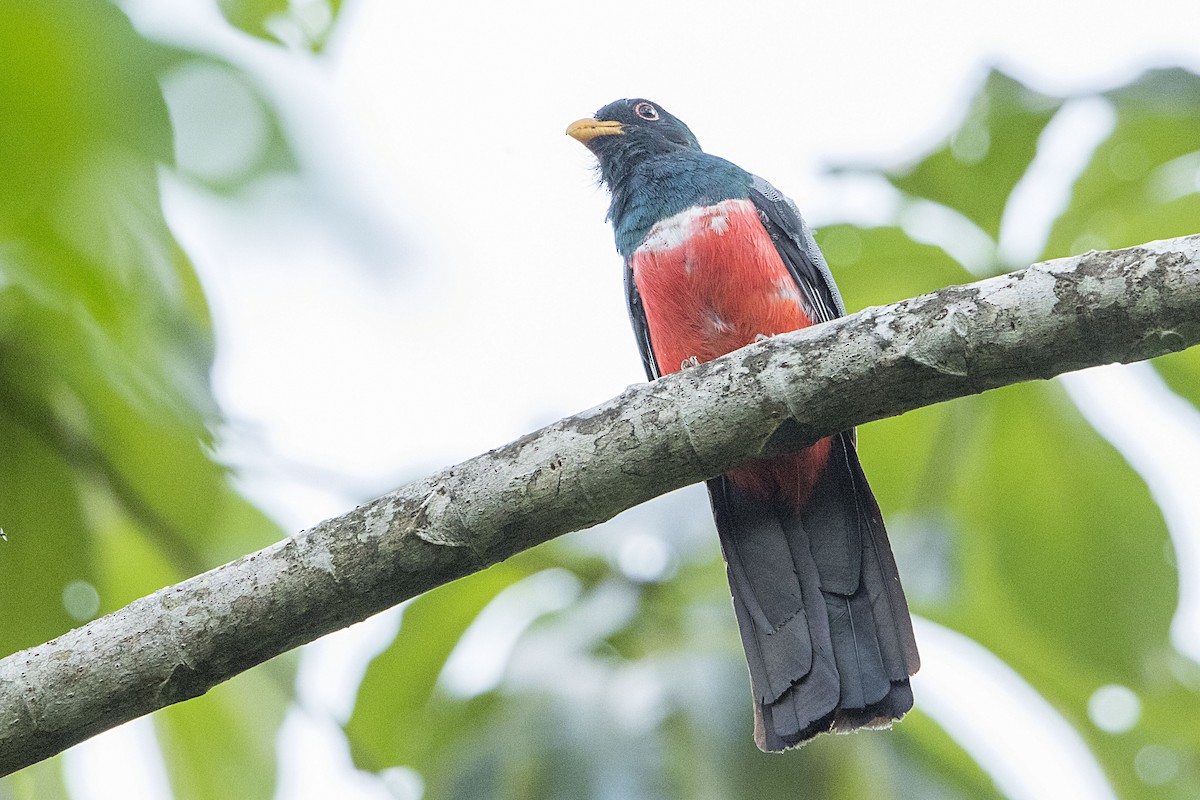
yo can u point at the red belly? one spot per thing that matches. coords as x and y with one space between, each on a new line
711 281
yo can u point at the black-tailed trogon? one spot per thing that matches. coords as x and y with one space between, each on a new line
717 258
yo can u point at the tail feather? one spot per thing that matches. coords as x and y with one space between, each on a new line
769 604
819 605
853 630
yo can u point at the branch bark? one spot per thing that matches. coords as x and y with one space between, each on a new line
1098 308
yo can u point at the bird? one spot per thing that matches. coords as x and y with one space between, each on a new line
716 259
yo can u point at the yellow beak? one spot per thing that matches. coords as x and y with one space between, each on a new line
583 130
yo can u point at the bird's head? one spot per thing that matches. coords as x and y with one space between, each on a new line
625 132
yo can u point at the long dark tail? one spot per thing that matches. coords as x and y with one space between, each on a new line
818 600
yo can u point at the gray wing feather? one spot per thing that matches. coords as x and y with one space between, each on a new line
641 328
807 264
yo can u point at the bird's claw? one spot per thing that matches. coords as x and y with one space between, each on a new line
689 362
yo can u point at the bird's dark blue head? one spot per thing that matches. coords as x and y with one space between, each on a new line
653 167
627 132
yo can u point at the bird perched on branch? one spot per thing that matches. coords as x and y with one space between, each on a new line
715 259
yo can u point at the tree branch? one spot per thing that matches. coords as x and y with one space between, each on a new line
1063 315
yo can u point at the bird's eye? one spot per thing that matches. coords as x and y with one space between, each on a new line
646 111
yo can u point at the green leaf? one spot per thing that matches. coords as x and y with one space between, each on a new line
876 266
1143 182
252 16
41 781
945 769
105 339
392 724
1037 540
305 23
40 514
77 83
975 172
223 743
1036 479
1181 371
108 485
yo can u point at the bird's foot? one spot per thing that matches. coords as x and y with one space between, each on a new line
689 362
761 337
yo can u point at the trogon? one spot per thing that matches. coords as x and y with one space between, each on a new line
715 259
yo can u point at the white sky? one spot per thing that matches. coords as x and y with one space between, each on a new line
468 290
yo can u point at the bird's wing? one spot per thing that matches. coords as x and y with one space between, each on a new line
641 328
796 246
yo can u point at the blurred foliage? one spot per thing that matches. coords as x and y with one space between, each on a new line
1013 520
108 485
992 147
606 664
296 23
228 735
42 781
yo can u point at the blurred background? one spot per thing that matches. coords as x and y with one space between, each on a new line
261 260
